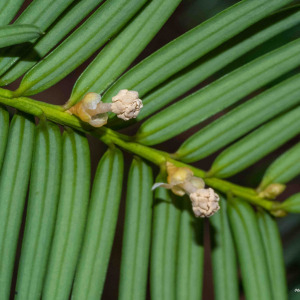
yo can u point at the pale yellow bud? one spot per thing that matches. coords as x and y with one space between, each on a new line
181 180
272 191
89 110
177 175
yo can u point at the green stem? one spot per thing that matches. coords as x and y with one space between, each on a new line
56 114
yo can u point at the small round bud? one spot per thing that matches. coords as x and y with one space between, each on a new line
126 104
205 202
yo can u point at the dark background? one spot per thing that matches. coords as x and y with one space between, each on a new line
189 14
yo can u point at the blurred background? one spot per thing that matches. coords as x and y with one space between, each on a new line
189 14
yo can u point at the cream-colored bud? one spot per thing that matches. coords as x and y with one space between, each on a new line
181 181
205 202
91 110
126 104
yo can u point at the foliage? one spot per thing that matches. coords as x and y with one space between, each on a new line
70 226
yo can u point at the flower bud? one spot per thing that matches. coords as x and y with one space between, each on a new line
126 104
181 181
205 202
